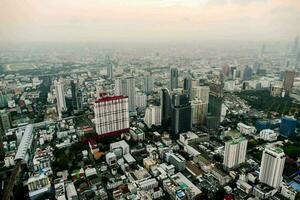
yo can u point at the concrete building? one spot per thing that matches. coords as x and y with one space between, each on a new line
199 111
235 152
60 97
173 78
271 168
288 81
153 116
111 115
200 92
126 87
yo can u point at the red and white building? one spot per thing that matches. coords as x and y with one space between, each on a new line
111 115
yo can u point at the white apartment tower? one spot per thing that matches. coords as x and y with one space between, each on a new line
126 87
111 115
271 168
152 116
60 97
235 152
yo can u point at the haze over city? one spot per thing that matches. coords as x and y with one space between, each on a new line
141 21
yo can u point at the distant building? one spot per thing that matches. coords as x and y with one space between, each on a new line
235 152
126 87
60 97
187 84
199 111
288 126
215 105
148 84
245 129
200 92
173 78
110 70
5 120
247 73
181 119
140 100
271 168
165 107
268 135
178 161
153 116
76 96
111 115
288 81
277 91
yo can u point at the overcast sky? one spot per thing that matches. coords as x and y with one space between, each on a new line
148 20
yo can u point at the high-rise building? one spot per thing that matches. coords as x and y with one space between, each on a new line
152 116
111 115
173 78
126 87
187 83
165 107
247 73
60 97
76 99
140 100
148 84
109 72
200 92
181 115
271 168
215 104
288 81
288 126
199 111
235 152
5 122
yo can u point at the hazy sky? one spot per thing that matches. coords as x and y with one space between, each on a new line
148 20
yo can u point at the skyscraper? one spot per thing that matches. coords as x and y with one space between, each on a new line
75 95
215 105
247 73
126 87
199 111
165 105
200 92
110 69
5 122
60 97
288 81
235 152
271 168
111 115
187 83
181 115
173 78
148 84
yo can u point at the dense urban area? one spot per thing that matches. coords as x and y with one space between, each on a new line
203 123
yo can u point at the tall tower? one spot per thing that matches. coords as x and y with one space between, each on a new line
271 168
288 81
110 71
181 115
165 107
235 152
60 97
126 87
148 84
173 78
